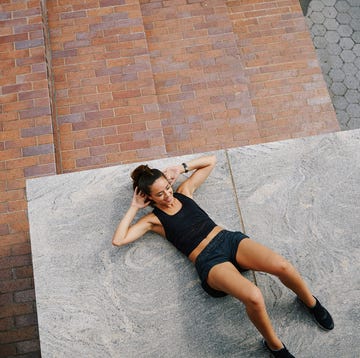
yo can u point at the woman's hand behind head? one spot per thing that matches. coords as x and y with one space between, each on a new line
140 199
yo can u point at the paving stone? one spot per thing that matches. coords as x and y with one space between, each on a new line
320 42
331 24
339 53
340 102
343 18
353 110
342 115
332 37
334 49
357 64
346 43
342 6
354 123
345 30
329 2
335 61
317 6
318 30
317 17
350 69
351 82
337 75
355 11
352 96
347 56
329 12
356 36
355 24
356 50
338 88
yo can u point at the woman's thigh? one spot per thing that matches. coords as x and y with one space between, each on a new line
257 257
225 277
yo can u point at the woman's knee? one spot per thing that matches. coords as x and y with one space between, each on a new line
283 268
254 298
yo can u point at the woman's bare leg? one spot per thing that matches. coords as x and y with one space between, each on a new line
257 257
225 277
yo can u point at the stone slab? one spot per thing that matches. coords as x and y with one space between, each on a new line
301 197
143 300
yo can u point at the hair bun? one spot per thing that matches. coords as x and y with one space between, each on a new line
143 177
138 173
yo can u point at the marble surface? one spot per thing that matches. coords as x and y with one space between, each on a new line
302 198
299 197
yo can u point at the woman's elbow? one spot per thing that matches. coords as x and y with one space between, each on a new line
117 242
213 160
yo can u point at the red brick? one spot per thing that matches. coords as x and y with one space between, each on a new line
6 323
21 249
14 261
40 170
4 229
24 296
13 38
36 131
90 161
23 272
13 238
15 309
21 334
26 320
28 347
7 350
38 150
16 88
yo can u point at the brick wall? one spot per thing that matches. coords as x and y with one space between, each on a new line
106 105
199 76
27 150
287 88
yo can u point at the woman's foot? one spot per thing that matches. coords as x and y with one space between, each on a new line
322 316
281 353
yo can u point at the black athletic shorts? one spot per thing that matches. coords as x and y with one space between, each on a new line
222 248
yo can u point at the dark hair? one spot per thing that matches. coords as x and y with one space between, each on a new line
143 177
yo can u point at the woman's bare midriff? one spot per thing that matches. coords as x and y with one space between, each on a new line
198 249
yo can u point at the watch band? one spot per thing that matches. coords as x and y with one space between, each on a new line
186 168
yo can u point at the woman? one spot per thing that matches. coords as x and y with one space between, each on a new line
219 255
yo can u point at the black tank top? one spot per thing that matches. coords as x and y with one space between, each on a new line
188 227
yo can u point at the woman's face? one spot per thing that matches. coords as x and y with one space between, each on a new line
161 192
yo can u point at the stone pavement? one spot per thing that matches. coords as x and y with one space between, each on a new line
335 29
299 197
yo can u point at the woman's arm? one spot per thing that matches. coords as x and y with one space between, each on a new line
202 167
125 233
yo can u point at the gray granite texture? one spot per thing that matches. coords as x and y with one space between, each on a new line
300 197
335 30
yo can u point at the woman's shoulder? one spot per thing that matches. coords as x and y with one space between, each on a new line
151 218
183 192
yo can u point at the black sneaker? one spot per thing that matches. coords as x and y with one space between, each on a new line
281 353
322 316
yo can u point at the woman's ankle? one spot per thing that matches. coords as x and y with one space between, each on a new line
275 345
310 302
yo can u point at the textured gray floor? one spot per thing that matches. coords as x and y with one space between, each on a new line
300 197
335 29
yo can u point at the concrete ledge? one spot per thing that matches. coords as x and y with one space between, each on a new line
299 196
